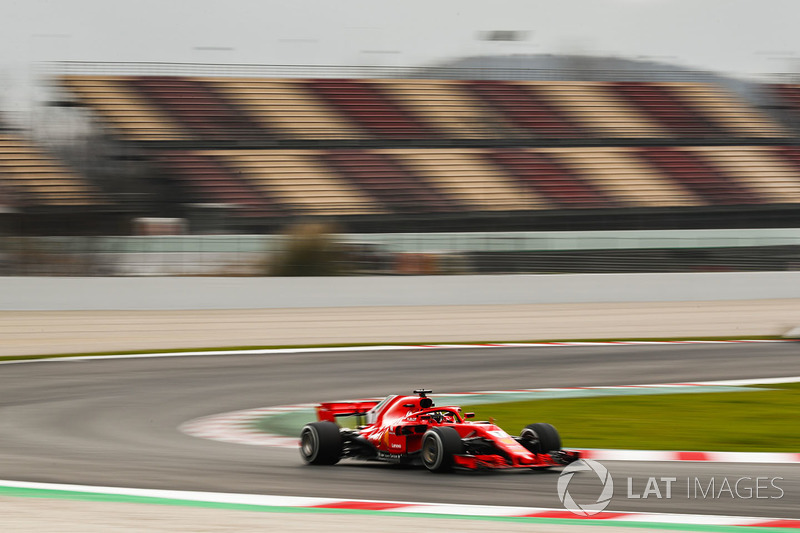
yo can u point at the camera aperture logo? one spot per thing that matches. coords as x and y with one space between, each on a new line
585 509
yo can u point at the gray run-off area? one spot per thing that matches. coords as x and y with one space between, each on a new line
164 293
78 315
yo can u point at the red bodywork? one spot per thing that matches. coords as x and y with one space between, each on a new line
395 426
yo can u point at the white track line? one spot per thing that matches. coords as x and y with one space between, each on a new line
271 502
277 351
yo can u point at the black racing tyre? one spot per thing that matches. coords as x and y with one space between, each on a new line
439 444
540 438
321 443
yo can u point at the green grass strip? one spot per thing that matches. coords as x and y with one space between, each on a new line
117 498
371 344
758 420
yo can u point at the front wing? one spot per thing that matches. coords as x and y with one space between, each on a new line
497 461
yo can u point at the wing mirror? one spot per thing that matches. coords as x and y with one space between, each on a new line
469 415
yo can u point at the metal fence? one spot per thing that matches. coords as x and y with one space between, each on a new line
407 253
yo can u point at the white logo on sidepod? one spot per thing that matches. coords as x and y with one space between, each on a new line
585 465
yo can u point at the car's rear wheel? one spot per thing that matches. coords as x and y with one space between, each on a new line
540 438
439 444
321 443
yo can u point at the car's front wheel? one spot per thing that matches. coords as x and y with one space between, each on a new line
439 445
540 438
321 443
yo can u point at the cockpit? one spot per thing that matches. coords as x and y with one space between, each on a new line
442 416
399 407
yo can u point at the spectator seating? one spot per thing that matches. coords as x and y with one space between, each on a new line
761 169
678 116
544 175
288 107
30 177
700 177
156 108
525 109
299 180
469 177
123 110
447 105
204 179
790 154
788 96
195 105
399 189
599 109
622 174
366 104
329 147
343 182
726 110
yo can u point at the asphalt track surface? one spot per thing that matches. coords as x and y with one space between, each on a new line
114 422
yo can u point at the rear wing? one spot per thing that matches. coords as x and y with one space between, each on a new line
328 411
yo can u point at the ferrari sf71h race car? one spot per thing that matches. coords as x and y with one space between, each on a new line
412 430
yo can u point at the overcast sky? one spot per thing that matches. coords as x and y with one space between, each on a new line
733 36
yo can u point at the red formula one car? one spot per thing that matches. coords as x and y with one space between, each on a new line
412 430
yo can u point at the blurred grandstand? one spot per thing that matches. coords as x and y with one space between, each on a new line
503 146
